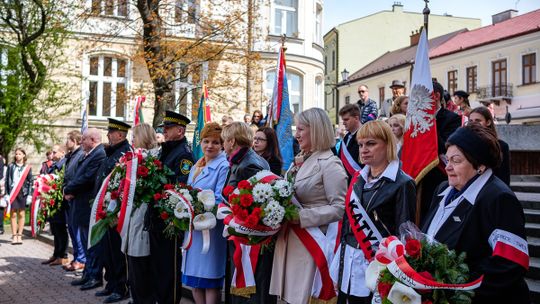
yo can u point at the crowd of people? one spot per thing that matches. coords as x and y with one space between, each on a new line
465 202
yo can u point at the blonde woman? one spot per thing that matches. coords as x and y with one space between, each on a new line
320 184
18 188
397 124
400 105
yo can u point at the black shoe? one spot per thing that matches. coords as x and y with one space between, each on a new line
103 293
1 231
115 297
91 284
79 282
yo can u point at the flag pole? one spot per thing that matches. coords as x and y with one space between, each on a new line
426 12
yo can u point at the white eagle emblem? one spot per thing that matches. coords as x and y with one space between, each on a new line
417 111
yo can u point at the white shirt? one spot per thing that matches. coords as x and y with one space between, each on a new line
390 172
443 212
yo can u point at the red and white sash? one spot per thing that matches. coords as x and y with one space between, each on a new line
15 191
350 164
322 249
362 226
245 260
128 194
510 246
97 205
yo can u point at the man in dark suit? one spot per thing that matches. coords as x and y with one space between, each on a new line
447 122
112 258
79 190
166 256
348 150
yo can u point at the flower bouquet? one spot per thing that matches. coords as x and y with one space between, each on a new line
47 199
184 209
257 208
132 182
414 272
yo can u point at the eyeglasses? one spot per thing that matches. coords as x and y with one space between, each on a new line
454 160
259 139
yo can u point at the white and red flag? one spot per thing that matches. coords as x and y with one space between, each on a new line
419 152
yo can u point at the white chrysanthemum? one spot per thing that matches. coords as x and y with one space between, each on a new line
185 193
284 188
262 174
262 192
274 214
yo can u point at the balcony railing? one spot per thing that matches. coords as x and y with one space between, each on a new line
495 93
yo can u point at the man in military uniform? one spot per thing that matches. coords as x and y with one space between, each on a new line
166 256
112 258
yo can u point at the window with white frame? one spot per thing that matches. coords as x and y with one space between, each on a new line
285 15
185 11
294 84
107 81
184 90
318 25
113 8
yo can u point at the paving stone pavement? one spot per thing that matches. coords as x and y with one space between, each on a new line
24 280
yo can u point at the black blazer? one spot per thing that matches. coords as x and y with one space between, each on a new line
247 165
113 154
27 186
496 207
503 172
82 185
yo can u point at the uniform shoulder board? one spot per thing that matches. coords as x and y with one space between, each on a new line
185 166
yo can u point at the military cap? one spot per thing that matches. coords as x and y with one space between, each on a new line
172 118
116 125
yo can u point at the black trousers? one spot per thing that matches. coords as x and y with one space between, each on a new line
140 279
2 219
166 262
60 233
343 298
114 262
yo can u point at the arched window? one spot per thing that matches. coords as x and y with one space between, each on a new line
295 84
106 86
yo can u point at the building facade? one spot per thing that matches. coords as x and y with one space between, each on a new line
356 43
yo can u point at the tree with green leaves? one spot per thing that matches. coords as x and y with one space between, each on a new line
32 34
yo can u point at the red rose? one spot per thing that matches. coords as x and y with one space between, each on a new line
158 196
256 211
413 248
384 289
244 184
228 190
142 171
246 200
252 220
51 202
54 186
39 223
236 209
115 194
101 214
168 186
158 163
427 302
164 215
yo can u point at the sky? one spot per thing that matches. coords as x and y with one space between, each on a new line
340 11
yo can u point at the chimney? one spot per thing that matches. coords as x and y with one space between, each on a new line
503 16
397 7
415 37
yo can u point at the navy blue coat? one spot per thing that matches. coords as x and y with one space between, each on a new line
177 156
82 185
113 153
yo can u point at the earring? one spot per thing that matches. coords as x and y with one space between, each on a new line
479 171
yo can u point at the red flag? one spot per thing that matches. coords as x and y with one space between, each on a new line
419 152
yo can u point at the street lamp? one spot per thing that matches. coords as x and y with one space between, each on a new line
345 75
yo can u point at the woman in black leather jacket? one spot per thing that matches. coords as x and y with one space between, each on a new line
237 141
382 195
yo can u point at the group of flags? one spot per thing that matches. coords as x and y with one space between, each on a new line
419 152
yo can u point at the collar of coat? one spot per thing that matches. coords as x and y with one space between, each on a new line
473 190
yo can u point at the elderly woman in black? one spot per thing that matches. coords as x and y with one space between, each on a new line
476 213
382 195
237 141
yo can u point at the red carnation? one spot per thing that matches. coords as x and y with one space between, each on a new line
252 220
256 211
242 214
158 163
228 190
246 200
164 215
168 186
413 248
101 214
384 289
236 209
233 199
115 194
158 196
244 184
142 171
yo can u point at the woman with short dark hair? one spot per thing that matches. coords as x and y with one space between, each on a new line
476 213
265 143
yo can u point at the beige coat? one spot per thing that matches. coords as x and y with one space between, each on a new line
137 241
320 186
